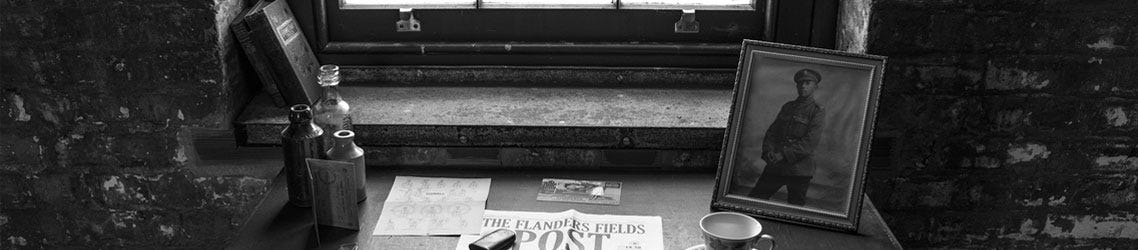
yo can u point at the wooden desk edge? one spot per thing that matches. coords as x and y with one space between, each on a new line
258 228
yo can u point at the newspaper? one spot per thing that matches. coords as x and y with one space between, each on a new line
573 230
433 206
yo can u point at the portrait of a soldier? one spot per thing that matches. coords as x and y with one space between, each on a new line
788 146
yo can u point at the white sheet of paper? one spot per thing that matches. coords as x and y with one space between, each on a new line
433 206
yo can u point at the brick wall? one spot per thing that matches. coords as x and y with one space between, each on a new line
1016 122
96 101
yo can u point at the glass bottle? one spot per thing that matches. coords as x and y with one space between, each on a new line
301 140
332 112
345 150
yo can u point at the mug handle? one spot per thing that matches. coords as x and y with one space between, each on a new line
767 237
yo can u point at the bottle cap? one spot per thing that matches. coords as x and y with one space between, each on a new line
329 75
344 134
299 113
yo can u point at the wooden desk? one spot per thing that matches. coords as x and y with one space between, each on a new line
681 199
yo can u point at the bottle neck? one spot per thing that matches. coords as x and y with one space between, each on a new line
300 114
332 93
344 142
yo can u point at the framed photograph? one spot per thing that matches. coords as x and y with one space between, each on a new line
798 137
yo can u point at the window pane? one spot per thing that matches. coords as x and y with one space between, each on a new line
549 4
688 4
417 4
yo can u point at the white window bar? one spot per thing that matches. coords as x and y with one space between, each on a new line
552 4
549 4
688 4
415 4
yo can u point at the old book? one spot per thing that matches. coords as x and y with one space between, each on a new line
334 193
290 59
244 36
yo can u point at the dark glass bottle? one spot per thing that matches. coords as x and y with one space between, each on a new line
331 111
301 140
345 149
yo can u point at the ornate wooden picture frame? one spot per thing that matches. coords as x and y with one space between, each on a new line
798 137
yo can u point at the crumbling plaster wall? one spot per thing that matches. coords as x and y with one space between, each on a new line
97 103
1016 122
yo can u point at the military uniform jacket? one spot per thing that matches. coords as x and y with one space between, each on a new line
794 134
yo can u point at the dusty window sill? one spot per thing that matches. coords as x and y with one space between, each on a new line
513 125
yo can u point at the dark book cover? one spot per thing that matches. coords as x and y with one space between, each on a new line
289 57
244 36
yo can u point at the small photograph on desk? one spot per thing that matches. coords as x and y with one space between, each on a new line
580 191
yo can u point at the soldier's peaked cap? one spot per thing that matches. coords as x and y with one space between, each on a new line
807 74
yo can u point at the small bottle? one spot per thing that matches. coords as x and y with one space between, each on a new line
301 140
345 150
331 111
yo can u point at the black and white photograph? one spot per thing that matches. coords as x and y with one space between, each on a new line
637 124
798 135
580 191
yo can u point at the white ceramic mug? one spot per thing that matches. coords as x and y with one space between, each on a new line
732 231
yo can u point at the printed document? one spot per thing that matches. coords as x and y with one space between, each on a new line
433 206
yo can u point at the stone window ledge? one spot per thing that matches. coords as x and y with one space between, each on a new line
522 126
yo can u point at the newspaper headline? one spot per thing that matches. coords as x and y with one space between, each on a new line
573 230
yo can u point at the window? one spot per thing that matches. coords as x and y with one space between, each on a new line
637 33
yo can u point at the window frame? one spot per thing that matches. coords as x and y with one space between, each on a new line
782 21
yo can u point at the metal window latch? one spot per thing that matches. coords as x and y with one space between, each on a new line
407 21
687 23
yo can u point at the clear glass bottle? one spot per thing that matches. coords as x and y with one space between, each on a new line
331 111
345 149
301 139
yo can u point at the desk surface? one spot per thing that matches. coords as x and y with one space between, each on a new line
679 198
